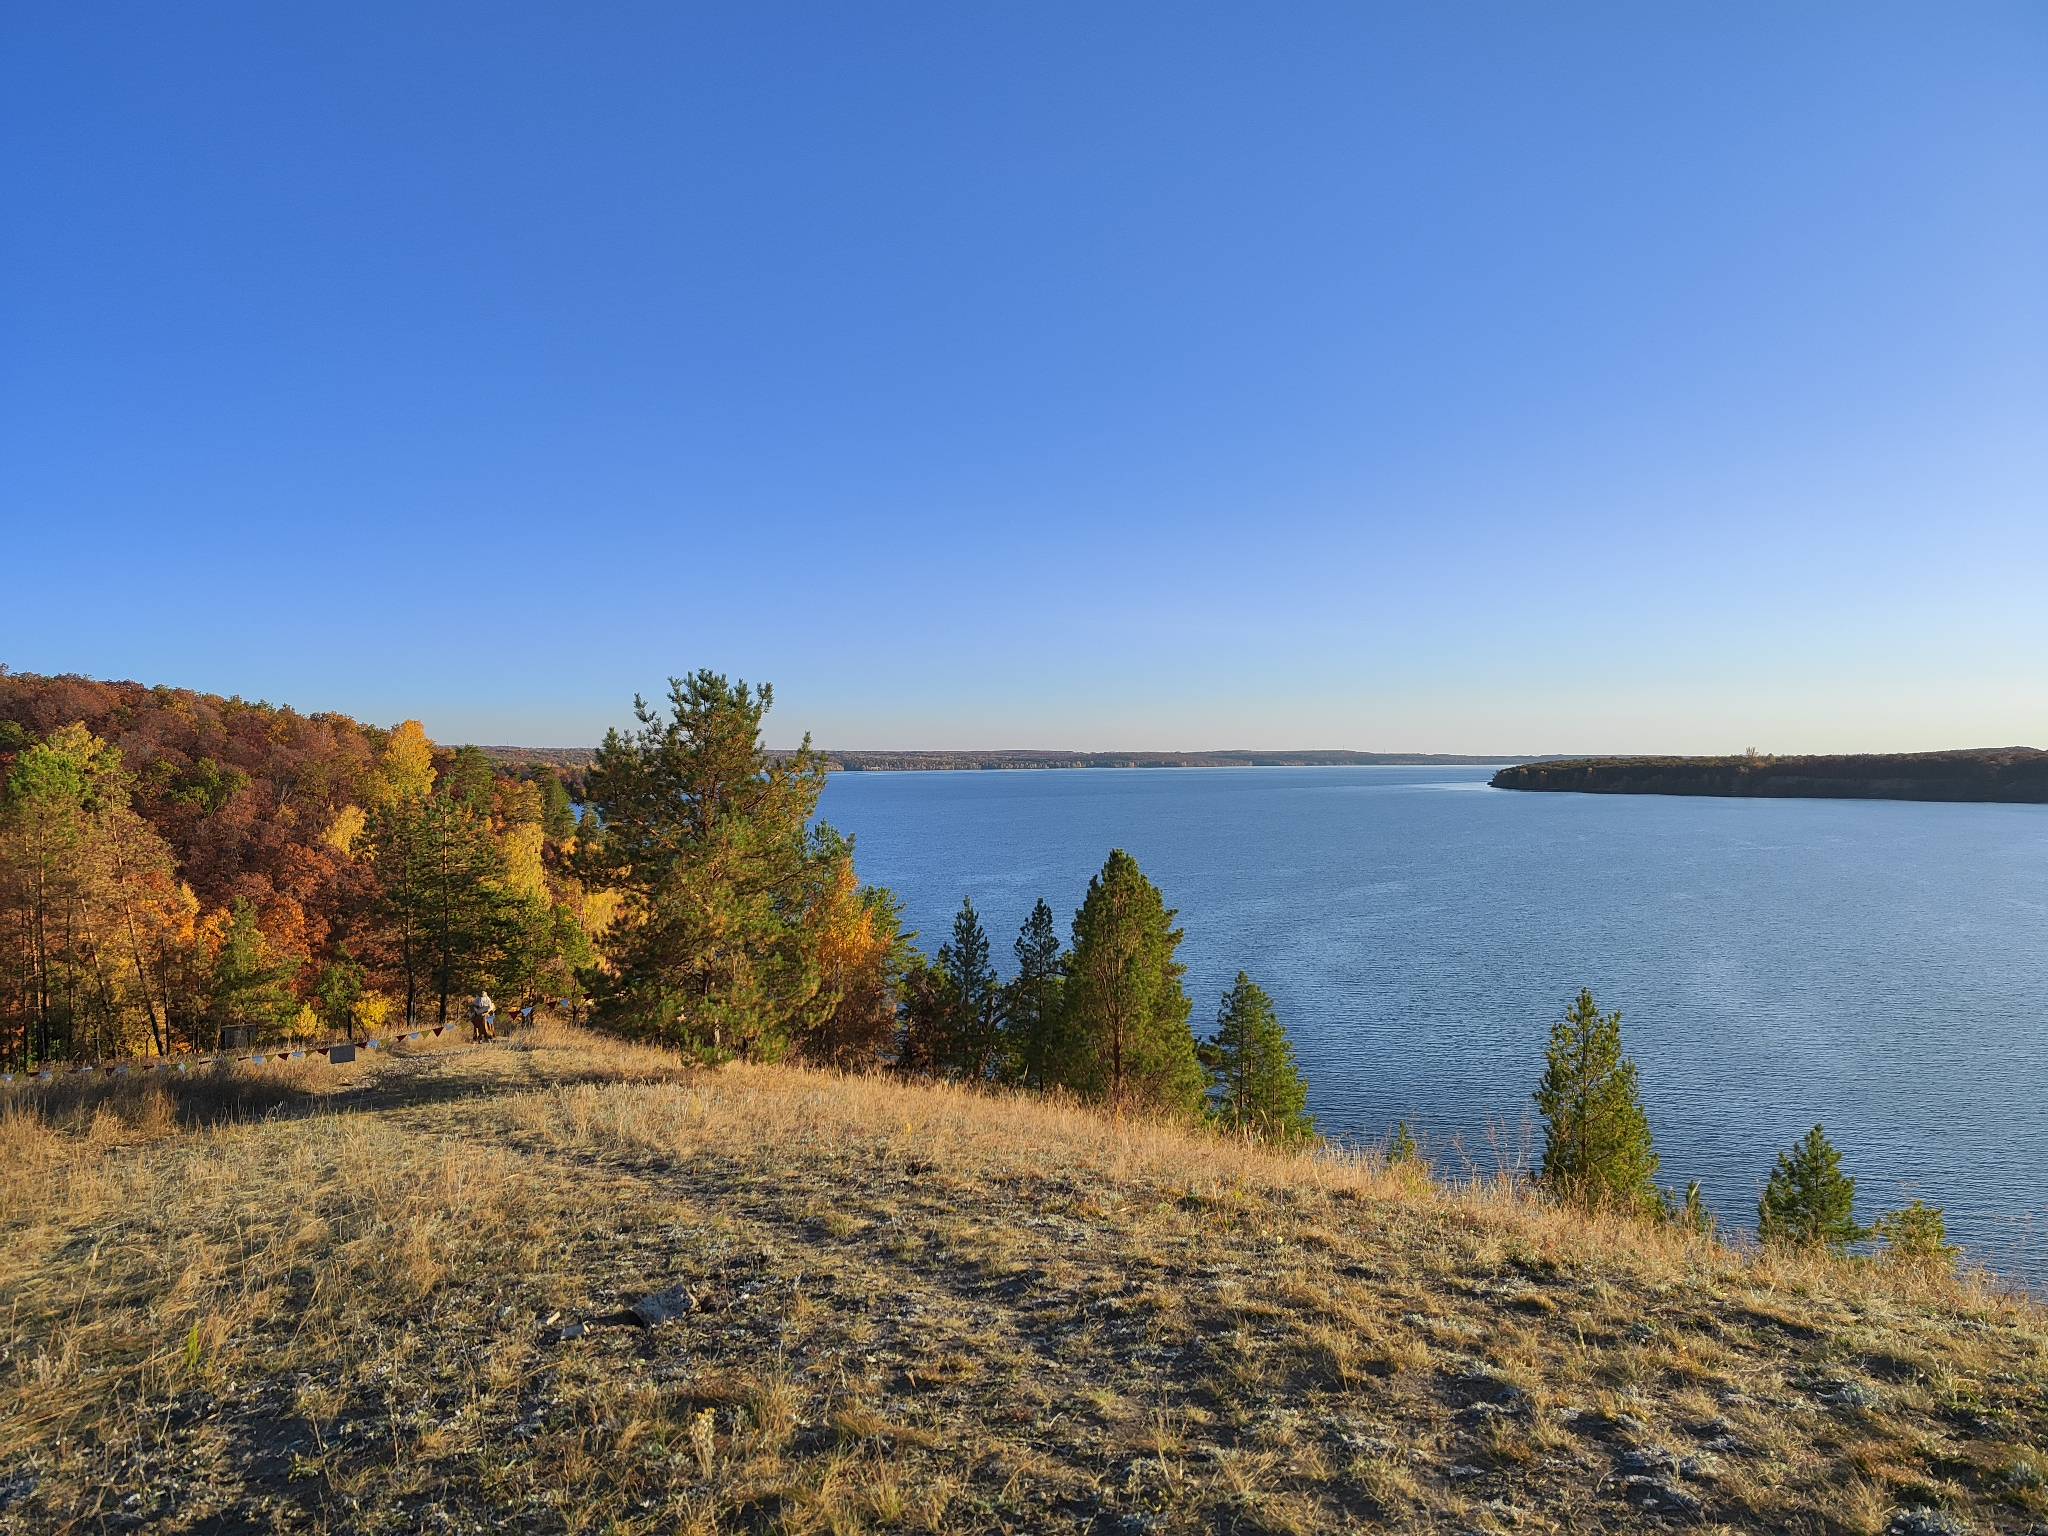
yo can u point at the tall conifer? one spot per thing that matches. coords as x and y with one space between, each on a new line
470 780
557 814
471 923
1031 1002
709 840
924 998
1596 1138
1256 1086
1126 1011
975 996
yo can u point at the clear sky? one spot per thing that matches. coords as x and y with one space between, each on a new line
1473 377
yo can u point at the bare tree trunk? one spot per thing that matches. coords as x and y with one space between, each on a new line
156 1035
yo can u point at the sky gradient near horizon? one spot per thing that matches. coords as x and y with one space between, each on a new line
1479 378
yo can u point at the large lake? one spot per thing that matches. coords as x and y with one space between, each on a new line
1879 967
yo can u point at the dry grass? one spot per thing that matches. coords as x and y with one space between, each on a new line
336 1301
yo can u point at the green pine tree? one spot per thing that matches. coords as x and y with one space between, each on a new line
470 780
528 959
1256 1089
398 852
1126 1011
708 837
1808 1201
1401 1147
925 1005
469 924
1596 1139
452 925
974 1050
245 984
1031 1002
557 814
341 985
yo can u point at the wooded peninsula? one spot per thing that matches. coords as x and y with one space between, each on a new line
2015 775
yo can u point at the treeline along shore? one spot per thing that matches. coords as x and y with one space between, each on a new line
575 759
2016 775
182 873
854 762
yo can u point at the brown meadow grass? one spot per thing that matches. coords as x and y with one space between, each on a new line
336 1298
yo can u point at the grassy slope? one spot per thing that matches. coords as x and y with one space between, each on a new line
918 1309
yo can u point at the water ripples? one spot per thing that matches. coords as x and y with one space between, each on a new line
1878 967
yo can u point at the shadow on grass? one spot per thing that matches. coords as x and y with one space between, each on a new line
166 1098
225 1093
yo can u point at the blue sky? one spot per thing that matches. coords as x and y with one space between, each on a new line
1463 378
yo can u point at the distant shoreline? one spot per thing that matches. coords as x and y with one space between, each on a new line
1987 775
1012 760
1983 775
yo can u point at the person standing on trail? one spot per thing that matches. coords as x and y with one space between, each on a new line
481 1009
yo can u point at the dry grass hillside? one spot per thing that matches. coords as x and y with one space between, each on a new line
395 1297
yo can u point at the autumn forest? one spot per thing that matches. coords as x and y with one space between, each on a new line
181 872
179 869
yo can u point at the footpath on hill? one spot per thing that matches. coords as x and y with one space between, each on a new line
570 1286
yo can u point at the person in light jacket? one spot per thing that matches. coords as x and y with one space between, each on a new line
481 1009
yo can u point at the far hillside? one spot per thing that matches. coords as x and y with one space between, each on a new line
2012 774
573 760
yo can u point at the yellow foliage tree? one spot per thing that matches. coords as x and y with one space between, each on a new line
342 832
523 875
600 910
406 770
371 1011
858 952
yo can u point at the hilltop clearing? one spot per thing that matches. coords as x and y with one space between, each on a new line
398 1296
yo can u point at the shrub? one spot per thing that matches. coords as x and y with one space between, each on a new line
1809 1202
1690 1210
1916 1235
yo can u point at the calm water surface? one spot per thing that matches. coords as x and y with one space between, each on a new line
1879 967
